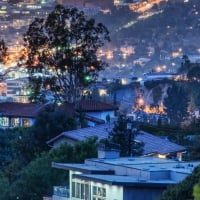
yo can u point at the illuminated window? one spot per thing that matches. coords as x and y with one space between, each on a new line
26 122
15 122
4 121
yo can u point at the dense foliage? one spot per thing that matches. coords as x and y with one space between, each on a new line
176 104
183 190
50 122
124 134
62 54
194 73
3 52
38 178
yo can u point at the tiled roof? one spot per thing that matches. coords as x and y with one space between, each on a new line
152 144
81 134
68 108
93 106
31 110
94 119
13 109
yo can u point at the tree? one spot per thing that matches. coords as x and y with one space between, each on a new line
16 151
185 64
184 189
50 122
3 57
124 134
62 53
196 192
194 73
157 94
176 104
38 178
3 51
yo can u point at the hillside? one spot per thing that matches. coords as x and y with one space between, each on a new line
163 34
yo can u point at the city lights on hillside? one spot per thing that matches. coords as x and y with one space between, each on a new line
109 55
140 105
127 51
158 109
161 68
102 92
154 109
142 6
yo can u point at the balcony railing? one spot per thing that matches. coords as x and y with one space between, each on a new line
61 191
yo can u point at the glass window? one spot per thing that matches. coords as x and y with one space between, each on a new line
73 189
4 121
78 190
104 192
82 191
26 122
15 122
87 192
99 193
94 190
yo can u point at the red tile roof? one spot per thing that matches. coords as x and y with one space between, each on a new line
14 109
68 108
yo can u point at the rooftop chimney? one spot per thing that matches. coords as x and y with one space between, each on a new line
108 151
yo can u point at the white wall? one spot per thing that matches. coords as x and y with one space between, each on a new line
113 192
101 115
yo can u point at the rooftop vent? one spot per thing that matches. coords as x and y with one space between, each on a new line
108 150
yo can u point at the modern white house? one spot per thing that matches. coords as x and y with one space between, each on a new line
110 177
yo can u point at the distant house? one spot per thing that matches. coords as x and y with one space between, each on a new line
158 76
121 178
17 90
13 114
153 145
95 111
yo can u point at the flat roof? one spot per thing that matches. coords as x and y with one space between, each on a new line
131 171
92 169
124 180
150 163
146 163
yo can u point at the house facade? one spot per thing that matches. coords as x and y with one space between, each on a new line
95 112
14 114
153 145
115 178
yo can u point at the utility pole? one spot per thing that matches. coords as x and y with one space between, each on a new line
129 129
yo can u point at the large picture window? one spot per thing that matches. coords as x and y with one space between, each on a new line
80 190
4 121
15 122
98 193
26 122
